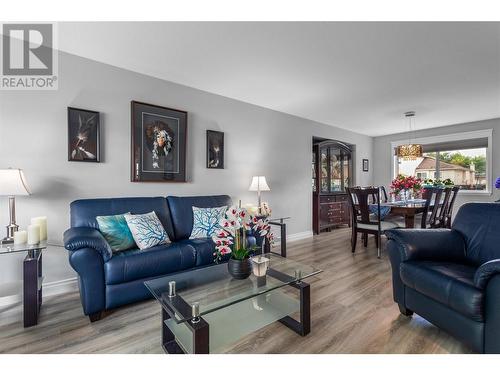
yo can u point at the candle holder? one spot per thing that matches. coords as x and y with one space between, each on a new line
260 265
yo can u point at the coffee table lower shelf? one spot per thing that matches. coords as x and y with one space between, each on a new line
221 328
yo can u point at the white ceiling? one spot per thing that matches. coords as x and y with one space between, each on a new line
358 76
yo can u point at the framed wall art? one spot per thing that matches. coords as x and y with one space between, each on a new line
365 165
215 149
159 139
83 135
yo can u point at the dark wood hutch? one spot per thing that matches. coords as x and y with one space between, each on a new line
332 173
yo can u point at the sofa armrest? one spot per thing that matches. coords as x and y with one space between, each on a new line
486 272
426 244
84 237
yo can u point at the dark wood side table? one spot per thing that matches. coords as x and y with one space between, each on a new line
280 222
32 278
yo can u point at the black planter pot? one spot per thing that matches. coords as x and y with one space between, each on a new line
239 269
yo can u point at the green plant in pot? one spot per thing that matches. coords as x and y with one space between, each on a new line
231 239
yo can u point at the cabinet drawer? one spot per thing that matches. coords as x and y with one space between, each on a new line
327 198
332 206
341 198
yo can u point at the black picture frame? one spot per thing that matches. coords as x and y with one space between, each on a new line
365 165
84 129
215 149
158 144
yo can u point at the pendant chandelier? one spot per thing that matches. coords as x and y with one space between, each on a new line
409 151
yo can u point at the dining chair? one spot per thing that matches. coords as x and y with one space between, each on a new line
363 221
431 209
449 209
439 221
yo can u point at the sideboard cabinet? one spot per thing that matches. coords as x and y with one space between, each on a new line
332 173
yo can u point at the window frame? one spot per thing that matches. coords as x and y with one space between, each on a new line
486 133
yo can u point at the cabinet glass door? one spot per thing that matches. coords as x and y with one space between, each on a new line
346 171
335 170
314 172
324 171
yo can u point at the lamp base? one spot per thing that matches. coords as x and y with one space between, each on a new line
11 229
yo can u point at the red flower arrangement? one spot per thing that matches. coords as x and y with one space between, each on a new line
402 182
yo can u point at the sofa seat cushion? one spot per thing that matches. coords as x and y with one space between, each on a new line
205 249
451 284
137 264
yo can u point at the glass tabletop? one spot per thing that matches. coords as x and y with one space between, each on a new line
7 248
213 288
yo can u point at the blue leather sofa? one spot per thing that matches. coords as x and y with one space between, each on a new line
451 277
108 280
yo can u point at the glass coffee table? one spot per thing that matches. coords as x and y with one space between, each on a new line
205 310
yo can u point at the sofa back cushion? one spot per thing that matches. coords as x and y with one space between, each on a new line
181 211
83 212
479 224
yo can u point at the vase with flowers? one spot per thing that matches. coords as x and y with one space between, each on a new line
406 186
231 239
497 186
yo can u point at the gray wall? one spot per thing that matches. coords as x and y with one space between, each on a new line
258 141
383 158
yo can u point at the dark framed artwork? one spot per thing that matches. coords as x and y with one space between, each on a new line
159 138
215 149
83 135
365 165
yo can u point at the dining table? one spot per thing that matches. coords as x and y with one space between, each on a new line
407 209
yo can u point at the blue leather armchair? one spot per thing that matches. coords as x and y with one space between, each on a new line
451 277
108 280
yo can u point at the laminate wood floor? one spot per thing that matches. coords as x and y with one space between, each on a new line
352 312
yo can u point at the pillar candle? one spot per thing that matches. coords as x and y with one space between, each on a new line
20 237
42 222
33 234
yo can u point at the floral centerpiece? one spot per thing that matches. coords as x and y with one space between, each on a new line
230 238
406 185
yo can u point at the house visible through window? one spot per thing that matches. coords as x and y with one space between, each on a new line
464 162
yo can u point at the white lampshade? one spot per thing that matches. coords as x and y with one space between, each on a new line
259 183
13 182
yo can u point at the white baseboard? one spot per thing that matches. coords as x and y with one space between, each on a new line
49 289
299 236
61 286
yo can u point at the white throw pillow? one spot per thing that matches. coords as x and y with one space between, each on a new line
147 230
206 221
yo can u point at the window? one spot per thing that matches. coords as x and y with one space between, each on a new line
462 158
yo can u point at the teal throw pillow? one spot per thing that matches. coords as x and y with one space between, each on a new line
116 232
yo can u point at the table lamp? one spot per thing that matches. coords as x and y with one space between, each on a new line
12 183
259 184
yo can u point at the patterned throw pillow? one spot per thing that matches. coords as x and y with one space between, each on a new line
147 230
206 221
115 230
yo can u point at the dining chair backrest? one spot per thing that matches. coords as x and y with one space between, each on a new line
359 198
431 206
384 194
443 207
451 203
